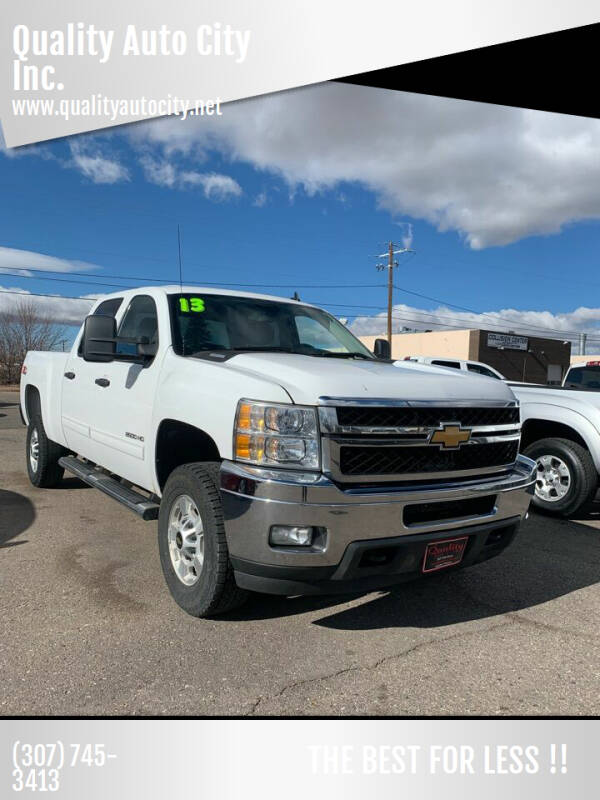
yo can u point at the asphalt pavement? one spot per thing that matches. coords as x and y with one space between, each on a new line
87 626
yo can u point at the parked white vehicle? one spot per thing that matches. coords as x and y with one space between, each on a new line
278 454
477 367
561 432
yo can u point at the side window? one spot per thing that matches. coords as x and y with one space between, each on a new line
108 307
453 364
574 376
139 320
481 370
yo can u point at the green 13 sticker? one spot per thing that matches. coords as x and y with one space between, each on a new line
195 304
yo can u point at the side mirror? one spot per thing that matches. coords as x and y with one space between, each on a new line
99 338
382 349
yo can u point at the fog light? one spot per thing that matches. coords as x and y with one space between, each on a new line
294 535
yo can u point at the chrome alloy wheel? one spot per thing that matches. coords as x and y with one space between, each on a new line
186 540
34 450
553 479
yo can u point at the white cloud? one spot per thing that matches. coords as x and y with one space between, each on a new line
159 172
86 157
94 165
23 261
495 174
531 323
215 186
63 310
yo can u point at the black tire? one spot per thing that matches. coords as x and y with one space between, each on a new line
583 476
215 591
46 472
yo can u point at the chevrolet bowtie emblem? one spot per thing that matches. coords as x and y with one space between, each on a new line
450 437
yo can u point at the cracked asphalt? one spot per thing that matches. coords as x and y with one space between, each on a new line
88 627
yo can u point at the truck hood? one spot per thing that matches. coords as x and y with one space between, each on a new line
306 378
556 396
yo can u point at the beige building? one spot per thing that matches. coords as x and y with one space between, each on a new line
449 344
532 359
584 359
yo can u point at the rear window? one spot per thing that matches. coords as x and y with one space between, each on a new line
453 364
583 378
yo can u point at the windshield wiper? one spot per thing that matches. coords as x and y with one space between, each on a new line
231 351
330 354
235 350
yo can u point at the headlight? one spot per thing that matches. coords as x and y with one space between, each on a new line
272 434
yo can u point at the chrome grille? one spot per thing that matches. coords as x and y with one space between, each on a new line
366 438
382 417
396 460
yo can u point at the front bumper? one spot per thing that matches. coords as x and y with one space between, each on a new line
355 523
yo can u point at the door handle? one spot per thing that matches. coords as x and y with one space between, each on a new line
69 375
102 382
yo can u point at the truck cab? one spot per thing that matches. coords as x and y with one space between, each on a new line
278 454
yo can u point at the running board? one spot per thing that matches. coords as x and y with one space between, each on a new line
134 501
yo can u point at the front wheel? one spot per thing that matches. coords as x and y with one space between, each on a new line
566 478
42 456
192 545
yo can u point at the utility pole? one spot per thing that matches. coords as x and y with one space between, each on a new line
391 263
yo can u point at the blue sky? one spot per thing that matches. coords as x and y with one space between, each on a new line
312 201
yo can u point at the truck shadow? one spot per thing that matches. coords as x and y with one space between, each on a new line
550 558
16 515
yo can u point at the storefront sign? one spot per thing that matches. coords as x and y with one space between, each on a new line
507 341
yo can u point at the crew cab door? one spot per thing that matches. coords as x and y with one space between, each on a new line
126 390
81 397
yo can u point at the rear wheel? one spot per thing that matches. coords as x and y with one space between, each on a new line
42 456
566 479
192 545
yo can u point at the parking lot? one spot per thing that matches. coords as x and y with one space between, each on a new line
88 626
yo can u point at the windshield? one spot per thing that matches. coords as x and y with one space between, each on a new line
204 323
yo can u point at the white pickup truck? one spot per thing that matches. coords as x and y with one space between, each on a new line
561 433
278 453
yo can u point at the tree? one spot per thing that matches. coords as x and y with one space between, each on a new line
24 327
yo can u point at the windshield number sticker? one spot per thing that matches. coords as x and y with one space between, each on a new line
193 304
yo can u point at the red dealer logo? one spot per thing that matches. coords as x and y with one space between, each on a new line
439 555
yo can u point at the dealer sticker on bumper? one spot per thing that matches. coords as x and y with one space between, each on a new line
447 553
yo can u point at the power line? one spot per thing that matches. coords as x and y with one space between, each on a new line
175 281
437 317
563 334
489 315
433 316
64 280
53 296
79 275
473 311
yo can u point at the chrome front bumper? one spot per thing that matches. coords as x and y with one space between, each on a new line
254 499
